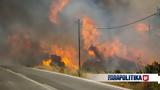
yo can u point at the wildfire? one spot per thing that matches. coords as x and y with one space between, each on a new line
135 53
56 8
110 48
91 53
91 44
47 62
116 48
113 48
142 27
89 32
68 55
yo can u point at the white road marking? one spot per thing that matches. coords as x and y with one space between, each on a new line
108 85
47 87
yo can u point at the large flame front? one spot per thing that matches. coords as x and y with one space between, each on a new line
89 32
56 8
116 48
91 35
67 54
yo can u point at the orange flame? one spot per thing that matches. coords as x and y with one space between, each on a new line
89 32
56 8
110 48
90 36
91 53
68 54
47 62
142 27
116 48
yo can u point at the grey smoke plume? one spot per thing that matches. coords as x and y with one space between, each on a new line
30 17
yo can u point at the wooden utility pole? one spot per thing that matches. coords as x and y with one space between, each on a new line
79 47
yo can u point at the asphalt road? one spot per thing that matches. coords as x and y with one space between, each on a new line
23 78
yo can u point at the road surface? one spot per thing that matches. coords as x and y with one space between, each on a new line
23 78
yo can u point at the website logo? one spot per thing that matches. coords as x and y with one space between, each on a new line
145 78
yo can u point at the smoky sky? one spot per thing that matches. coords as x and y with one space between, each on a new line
31 17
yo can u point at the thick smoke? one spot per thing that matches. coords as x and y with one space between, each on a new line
24 25
110 13
125 11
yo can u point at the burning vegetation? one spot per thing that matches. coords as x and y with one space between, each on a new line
47 62
37 36
61 57
89 32
104 54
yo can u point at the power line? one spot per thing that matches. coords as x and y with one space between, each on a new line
125 25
